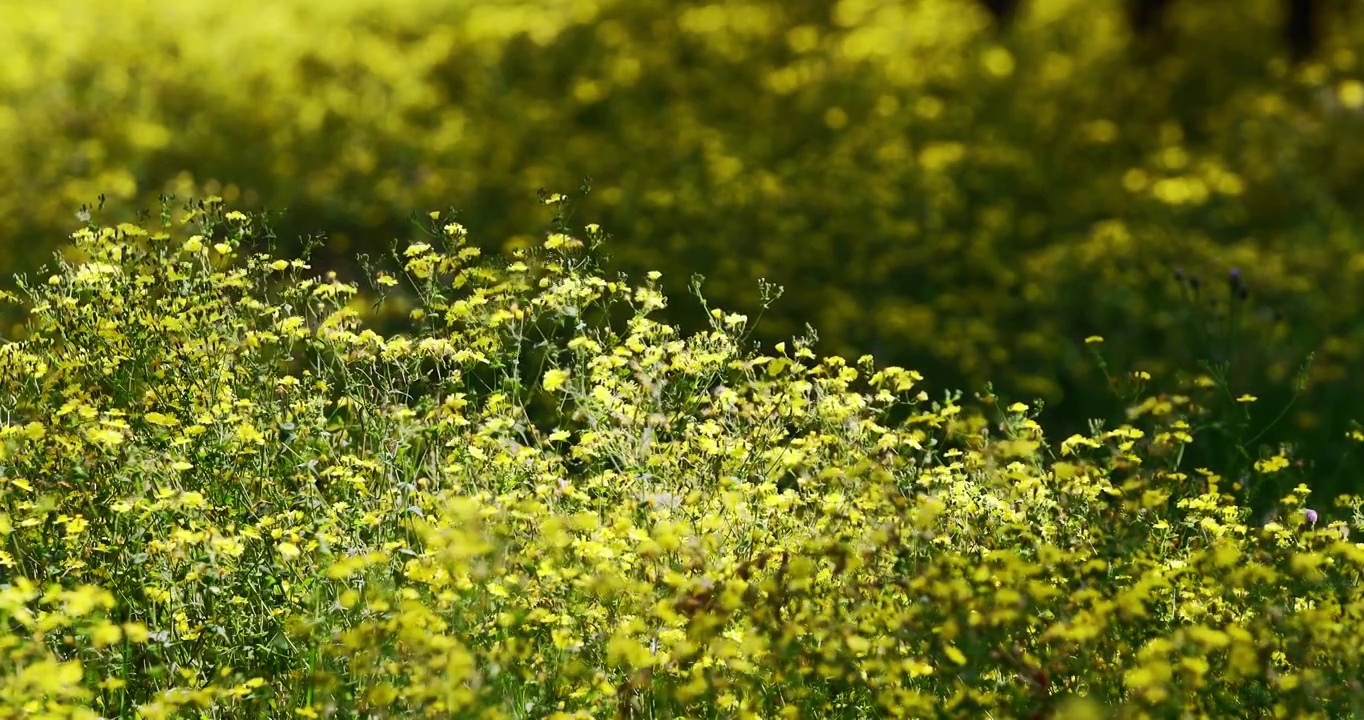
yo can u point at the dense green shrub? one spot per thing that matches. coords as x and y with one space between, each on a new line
928 189
223 495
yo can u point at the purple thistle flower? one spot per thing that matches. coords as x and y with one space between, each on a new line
1311 516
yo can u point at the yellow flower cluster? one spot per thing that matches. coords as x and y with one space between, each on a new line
972 201
222 494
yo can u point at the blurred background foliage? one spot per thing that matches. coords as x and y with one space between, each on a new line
967 198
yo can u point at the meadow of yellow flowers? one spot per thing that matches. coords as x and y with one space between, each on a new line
1020 384
223 494
947 195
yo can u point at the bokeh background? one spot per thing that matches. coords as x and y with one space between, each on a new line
967 197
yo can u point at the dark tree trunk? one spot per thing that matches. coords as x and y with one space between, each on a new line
1147 17
1302 27
1001 10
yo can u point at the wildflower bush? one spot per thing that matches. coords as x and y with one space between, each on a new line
223 494
935 191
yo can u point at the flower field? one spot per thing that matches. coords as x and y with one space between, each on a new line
223 495
768 359
946 194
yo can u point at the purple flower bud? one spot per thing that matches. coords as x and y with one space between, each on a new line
1311 516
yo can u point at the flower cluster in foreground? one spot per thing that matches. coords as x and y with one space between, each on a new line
223 495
